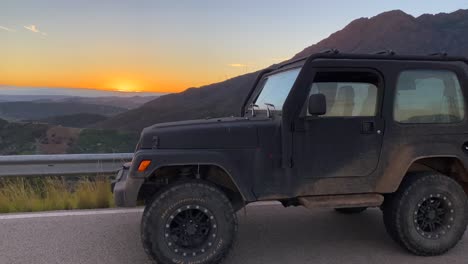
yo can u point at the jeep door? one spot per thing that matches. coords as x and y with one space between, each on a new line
345 142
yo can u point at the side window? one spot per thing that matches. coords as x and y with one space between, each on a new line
348 94
427 96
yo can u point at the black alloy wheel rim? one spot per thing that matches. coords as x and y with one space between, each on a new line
190 230
434 216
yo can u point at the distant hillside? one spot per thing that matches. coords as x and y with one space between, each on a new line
74 120
27 98
104 141
20 138
41 110
394 30
33 138
116 101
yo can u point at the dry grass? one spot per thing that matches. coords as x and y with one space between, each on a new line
46 194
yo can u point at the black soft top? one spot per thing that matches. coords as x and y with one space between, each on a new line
335 54
385 55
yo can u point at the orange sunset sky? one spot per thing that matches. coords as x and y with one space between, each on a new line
164 46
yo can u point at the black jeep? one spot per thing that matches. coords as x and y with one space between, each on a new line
331 130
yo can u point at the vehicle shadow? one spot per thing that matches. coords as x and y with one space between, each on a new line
272 234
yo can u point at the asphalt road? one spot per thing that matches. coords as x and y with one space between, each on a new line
267 234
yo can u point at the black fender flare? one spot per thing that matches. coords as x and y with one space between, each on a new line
163 158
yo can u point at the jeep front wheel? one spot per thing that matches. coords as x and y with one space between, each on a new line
191 222
428 214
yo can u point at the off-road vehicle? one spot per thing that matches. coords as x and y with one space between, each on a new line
331 130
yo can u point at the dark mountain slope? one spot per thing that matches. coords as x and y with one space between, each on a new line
393 30
215 100
402 33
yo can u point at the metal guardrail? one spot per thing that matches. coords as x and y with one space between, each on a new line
62 164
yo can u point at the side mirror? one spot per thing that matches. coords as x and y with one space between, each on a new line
317 104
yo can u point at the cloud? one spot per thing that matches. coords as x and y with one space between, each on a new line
238 65
7 29
33 28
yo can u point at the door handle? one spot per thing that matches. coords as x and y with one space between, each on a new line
368 127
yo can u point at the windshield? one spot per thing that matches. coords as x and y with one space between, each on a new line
276 88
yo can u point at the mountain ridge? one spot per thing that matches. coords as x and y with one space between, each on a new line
393 30
405 34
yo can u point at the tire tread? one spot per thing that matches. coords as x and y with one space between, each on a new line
392 213
173 189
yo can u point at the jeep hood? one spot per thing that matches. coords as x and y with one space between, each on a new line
217 133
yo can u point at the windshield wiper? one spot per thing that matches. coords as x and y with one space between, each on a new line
268 105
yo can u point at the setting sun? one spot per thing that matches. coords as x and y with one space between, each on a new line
125 86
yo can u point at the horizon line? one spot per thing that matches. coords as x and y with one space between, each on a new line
13 87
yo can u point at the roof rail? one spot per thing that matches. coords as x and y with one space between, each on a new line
441 54
330 51
385 52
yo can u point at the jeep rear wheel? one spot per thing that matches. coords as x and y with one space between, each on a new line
351 210
428 215
189 222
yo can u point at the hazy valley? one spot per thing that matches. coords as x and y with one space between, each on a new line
54 124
